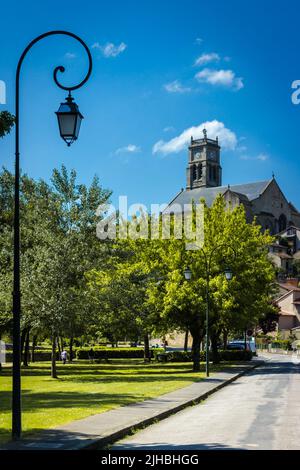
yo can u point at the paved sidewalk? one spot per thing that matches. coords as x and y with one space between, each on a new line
102 429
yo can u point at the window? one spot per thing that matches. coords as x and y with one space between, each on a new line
213 173
199 171
194 172
282 223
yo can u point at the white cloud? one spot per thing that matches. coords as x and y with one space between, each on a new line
206 58
214 128
261 157
2 92
70 55
169 129
110 49
226 78
131 148
176 87
241 148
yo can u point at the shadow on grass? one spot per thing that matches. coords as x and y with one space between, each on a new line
63 399
102 369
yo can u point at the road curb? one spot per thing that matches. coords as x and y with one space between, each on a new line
103 442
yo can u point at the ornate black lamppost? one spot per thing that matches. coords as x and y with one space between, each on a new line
69 119
208 258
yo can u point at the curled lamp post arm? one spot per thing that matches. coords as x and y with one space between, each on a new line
216 249
60 68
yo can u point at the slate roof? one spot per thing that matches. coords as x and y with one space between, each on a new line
250 190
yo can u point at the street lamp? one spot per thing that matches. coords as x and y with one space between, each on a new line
228 274
69 119
188 274
208 257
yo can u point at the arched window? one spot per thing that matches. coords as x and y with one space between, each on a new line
269 226
282 222
194 172
214 173
199 171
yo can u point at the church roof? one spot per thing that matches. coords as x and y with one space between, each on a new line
250 190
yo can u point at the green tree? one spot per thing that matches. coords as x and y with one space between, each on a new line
235 305
7 121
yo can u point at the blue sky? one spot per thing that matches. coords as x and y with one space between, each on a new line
160 68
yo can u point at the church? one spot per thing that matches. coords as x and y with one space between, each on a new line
263 199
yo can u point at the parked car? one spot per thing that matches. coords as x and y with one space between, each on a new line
239 345
236 346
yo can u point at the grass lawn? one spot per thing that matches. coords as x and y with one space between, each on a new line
84 389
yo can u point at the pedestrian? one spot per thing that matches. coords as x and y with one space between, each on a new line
91 355
64 356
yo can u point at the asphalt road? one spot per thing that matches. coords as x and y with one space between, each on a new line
261 410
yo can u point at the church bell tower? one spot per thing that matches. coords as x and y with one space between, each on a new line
204 169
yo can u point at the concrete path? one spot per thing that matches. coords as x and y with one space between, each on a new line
99 430
260 410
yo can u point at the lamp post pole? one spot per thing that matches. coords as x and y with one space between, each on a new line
207 324
208 258
16 387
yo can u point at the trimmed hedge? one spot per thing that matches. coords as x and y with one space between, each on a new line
39 355
186 356
282 344
99 353
114 353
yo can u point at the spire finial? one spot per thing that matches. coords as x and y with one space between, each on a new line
205 133
273 175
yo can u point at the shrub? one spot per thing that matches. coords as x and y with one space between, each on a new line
226 355
39 355
282 344
114 353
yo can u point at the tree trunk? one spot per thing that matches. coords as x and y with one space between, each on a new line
197 334
196 351
23 336
26 348
186 339
34 341
53 358
214 348
58 345
0 351
71 348
225 339
147 356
